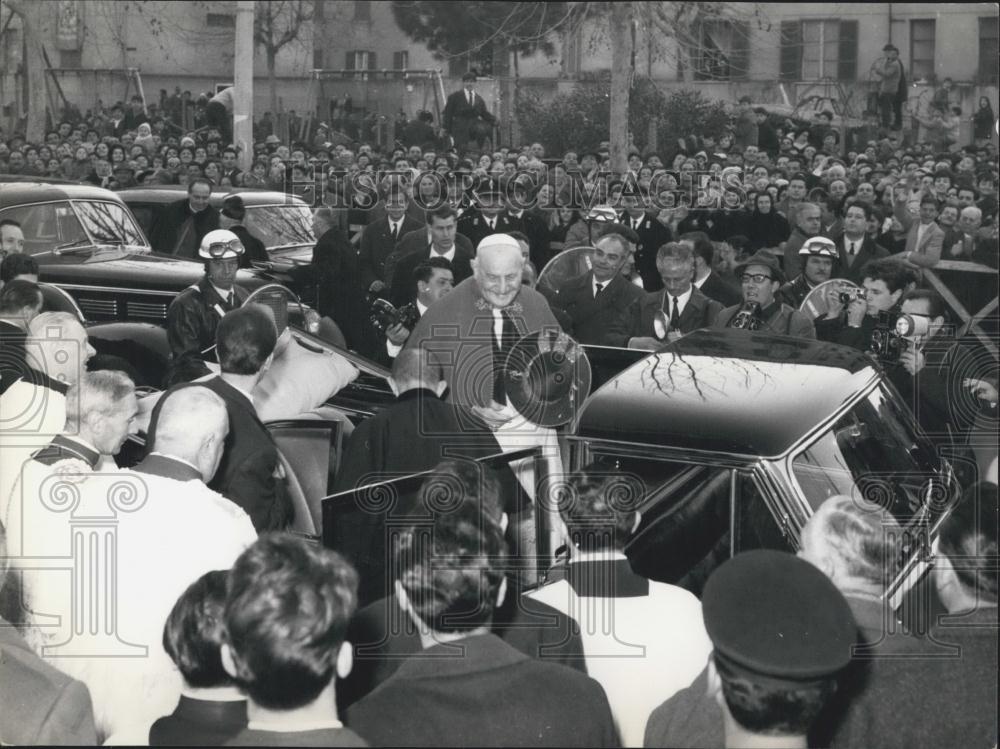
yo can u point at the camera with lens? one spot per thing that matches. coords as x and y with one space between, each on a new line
384 315
748 317
849 294
893 333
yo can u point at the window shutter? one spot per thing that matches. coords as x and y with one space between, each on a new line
349 61
739 60
371 61
847 53
791 51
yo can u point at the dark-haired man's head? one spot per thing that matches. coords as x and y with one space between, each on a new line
194 632
199 191
288 605
599 510
433 279
451 572
884 282
245 340
20 302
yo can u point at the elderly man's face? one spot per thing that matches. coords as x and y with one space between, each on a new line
676 276
112 429
498 272
970 221
608 259
809 221
198 197
948 217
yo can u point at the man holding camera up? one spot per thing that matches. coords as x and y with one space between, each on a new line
851 318
760 278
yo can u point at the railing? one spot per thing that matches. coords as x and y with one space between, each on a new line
970 320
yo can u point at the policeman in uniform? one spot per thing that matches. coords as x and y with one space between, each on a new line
782 635
194 315
819 258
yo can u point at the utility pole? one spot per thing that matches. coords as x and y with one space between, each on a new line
243 80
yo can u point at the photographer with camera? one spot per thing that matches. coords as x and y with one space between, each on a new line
433 279
851 317
761 310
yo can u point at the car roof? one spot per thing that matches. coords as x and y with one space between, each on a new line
14 193
170 193
727 391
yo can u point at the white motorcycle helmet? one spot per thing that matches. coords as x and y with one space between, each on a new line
220 244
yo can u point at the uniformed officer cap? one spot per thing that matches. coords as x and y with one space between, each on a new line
773 617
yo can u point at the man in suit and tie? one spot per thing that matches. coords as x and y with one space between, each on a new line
379 239
854 247
250 472
652 236
489 216
663 316
924 238
194 315
442 243
466 117
598 304
707 280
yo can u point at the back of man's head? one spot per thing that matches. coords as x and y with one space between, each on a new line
415 367
18 296
701 244
451 570
288 605
192 425
855 544
599 509
245 338
18 264
193 634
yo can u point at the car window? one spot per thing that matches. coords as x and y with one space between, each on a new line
47 226
756 526
873 454
280 225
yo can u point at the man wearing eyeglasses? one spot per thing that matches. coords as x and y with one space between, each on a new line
194 315
760 279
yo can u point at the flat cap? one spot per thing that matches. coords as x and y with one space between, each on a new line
772 616
762 258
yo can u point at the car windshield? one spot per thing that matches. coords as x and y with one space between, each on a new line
874 454
281 226
78 223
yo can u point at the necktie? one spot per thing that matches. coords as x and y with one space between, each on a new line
229 300
470 98
852 249
500 350
675 316
598 288
492 223
395 231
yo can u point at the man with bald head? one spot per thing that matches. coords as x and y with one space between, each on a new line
808 223
175 530
473 328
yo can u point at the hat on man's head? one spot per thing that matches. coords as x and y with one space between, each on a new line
762 258
232 207
775 618
497 241
220 244
187 142
272 140
890 48
489 190
470 76
820 247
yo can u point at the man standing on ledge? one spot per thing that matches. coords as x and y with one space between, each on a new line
466 117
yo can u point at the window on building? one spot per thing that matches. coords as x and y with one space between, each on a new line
362 10
988 49
221 20
360 60
401 60
723 52
816 49
921 49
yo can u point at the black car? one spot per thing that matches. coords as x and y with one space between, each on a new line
88 242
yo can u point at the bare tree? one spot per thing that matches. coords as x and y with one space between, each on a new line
277 24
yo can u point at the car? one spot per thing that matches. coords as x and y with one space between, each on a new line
737 437
281 221
87 241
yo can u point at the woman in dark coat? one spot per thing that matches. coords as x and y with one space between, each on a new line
766 227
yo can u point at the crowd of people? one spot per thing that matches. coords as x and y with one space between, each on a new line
222 627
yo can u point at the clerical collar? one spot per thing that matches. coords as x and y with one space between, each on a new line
179 460
298 727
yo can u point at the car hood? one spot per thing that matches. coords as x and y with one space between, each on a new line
296 255
151 272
